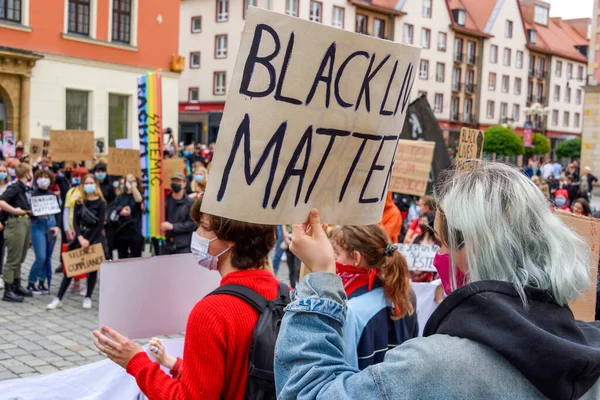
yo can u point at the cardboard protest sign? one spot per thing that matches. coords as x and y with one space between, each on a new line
80 261
312 120
584 308
470 147
131 304
72 145
410 173
173 165
421 124
419 256
44 205
123 161
39 148
9 144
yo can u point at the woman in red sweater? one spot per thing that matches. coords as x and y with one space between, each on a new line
219 329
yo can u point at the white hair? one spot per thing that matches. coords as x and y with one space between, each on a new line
509 233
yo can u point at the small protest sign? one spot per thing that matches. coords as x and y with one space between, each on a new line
99 146
410 173
72 145
470 147
418 256
584 308
81 261
173 165
312 119
123 161
123 144
44 205
39 148
9 144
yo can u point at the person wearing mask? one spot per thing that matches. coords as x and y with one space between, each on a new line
381 304
179 225
198 184
510 322
44 231
15 202
4 182
128 237
561 200
581 207
88 221
108 191
220 328
197 157
427 204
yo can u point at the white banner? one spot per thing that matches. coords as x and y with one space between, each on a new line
419 256
44 205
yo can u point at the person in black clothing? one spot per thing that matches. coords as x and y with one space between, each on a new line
197 156
126 213
571 187
88 220
106 186
179 225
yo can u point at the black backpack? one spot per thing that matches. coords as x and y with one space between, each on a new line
261 377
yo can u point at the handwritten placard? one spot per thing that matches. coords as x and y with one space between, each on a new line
312 119
123 161
72 145
39 148
173 165
419 256
470 147
410 174
584 308
81 261
44 205
9 144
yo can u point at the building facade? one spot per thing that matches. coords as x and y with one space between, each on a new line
590 150
73 64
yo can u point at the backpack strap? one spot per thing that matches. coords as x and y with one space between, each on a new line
248 295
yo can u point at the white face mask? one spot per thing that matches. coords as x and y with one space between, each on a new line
199 247
129 185
43 183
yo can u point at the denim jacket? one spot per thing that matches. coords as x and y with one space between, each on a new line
310 363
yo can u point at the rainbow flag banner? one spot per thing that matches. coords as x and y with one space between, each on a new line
151 153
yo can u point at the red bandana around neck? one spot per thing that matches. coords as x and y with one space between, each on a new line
353 278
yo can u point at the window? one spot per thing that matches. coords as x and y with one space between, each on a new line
558 71
361 24
196 24
492 81
121 21
471 52
222 10
316 11
118 118
427 8
425 38
568 95
569 71
248 3
219 83
77 110
195 60
467 112
540 91
576 119
566 119
532 35
531 65
438 103
529 91
554 117
442 41
493 54
516 112
517 86
505 83
291 7
458 48
79 17
540 15
507 57
503 110
10 10
580 72
508 29
379 28
221 46
519 61
424 70
456 79
408 34
470 78
490 109
454 109
556 93
461 18
578 97
541 68
193 95
440 72
338 17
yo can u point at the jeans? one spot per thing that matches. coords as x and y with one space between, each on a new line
278 250
16 234
43 242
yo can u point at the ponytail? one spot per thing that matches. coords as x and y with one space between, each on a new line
396 284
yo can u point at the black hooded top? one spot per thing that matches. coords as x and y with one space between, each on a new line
557 354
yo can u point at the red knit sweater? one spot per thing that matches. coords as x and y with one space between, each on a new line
216 349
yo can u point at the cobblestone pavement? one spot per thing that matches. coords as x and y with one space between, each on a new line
34 341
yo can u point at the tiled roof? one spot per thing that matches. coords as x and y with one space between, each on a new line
477 12
383 6
558 38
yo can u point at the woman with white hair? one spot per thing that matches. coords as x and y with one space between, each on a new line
507 333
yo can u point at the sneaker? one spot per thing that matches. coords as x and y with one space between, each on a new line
87 303
56 303
34 290
41 287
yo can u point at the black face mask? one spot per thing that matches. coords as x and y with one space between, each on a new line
176 187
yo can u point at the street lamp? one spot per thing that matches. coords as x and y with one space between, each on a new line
509 123
537 110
